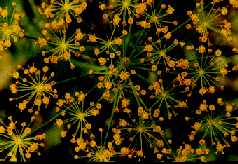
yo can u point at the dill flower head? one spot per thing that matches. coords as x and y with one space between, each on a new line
19 144
95 150
101 154
122 10
76 115
58 46
187 153
211 17
140 133
203 69
60 13
10 25
217 125
33 87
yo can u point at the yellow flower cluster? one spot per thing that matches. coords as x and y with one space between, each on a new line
10 26
19 141
33 87
123 79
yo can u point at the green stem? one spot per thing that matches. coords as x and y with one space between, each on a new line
45 124
90 66
115 104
